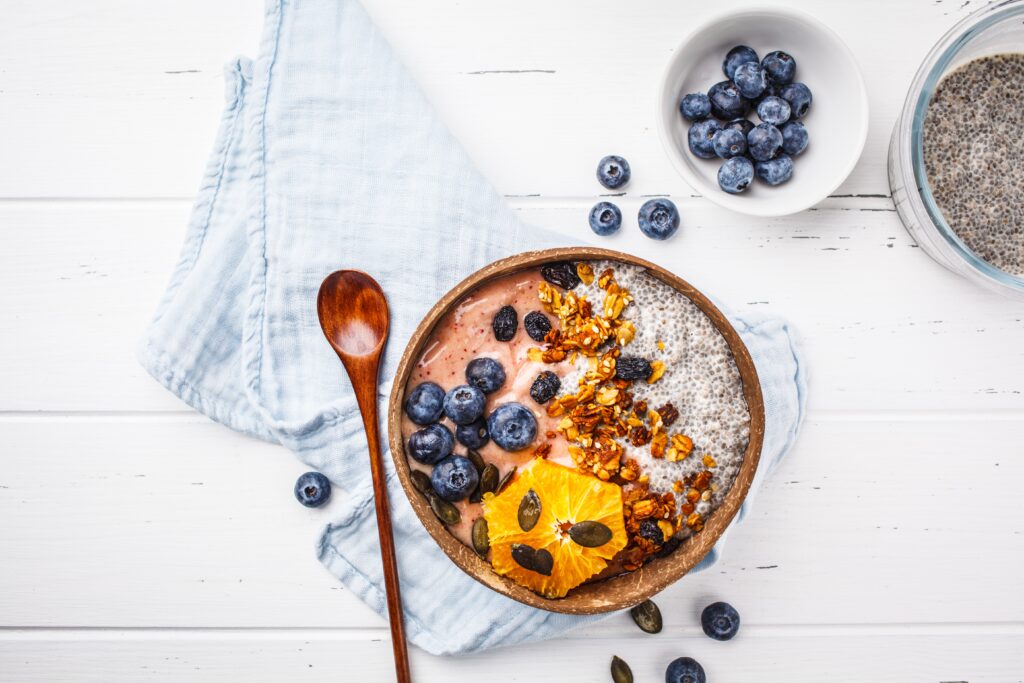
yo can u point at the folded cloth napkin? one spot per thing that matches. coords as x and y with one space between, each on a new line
329 157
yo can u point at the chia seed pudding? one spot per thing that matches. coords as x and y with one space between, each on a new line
973 155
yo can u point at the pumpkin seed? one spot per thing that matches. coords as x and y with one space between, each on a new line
532 559
529 510
421 481
481 543
505 480
445 511
647 616
488 479
621 673
590 534
476 459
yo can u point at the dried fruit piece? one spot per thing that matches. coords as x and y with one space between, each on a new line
647 616
529 510
590 534
621 673
561 274
545 387
536 325
481 544
505 324
632 367
533 559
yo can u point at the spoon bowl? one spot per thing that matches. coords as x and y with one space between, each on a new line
353 313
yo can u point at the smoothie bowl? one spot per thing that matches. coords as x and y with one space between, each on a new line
575 427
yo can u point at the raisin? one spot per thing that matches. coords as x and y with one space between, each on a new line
505 324
561 274
632 367
650 530
545 387
537 325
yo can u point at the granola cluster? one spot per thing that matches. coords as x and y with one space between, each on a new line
651 522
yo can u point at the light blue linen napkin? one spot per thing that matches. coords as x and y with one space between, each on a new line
329 157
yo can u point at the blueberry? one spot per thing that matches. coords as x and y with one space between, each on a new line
701 138
658 219
773 110
464 404
794 138
536 325
685 670
512 426
780 67
727 102
312 489
545 387
473 435
454 478
632 367
742 125
750 80
729 143
775 171
695 106
486 374
720 621
735 175
561 274
505 324
425 403
764 141
741 54
613 172
430 444
605 218
799 97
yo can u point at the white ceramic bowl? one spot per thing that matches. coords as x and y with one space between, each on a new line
837 122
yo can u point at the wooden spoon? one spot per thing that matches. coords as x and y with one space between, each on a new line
354 316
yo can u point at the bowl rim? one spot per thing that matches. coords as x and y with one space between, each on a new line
734 202
624 590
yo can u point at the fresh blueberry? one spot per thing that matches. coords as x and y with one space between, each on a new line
454 478
505 324
464 404
750 80
486 374
741 54
605 218
701 138
780 67
729 143
794 138
685 670
726 101
545 387
473 435
512 426
425 403
773 110
720 621
769 91
312 489
431 444
735 175
742 125
536 325
775 171
695 106
659 219
799 97
613 172
764 141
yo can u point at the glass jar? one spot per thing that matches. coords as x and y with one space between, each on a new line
996 29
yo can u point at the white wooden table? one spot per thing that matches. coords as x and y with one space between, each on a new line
141 541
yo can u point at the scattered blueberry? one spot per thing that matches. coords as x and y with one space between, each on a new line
735 175
741 54
685 670
742 125
454 478
431 444
605 218
730 143
425 403
536 325
464 404
659 219
545 387
775 171
701 138
312 489
695 106
613 172
486 374
727 102
780 67
773 110
720 621
505 324
632 367
750 80
473 435
561 274
512 426
794 138
764 141
799 97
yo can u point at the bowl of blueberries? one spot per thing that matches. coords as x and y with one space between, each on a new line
763 111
